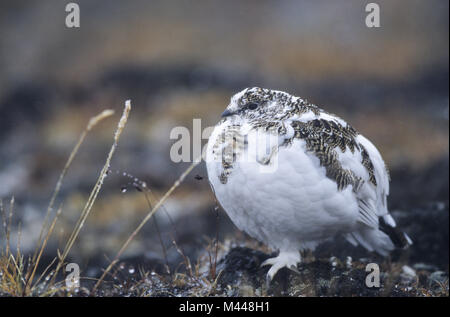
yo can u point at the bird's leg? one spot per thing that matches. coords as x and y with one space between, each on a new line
288 259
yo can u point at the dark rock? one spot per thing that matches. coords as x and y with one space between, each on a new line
241 270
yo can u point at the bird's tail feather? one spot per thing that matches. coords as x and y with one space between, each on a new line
382 240
372 240
399 238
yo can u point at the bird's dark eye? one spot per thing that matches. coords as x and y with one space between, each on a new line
252 106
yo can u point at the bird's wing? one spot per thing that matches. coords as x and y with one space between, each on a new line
373 196
349 160
372 202
352 160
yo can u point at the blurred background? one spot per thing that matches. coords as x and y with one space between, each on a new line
180 60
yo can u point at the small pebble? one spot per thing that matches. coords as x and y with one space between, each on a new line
407 270
348 262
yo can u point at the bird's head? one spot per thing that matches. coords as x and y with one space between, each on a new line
259 103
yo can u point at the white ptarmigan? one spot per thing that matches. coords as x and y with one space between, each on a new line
292 175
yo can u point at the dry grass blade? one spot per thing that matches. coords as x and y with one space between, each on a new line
93 196
148 193
144 221
8 226
43 273
11 281
92 122
44 244
40 245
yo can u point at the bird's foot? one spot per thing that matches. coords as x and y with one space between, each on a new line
284 259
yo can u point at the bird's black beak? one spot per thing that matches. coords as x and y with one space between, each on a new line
226 113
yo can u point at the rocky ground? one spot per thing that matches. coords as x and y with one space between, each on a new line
336 268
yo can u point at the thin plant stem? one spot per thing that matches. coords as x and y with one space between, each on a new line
144 221
94 193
